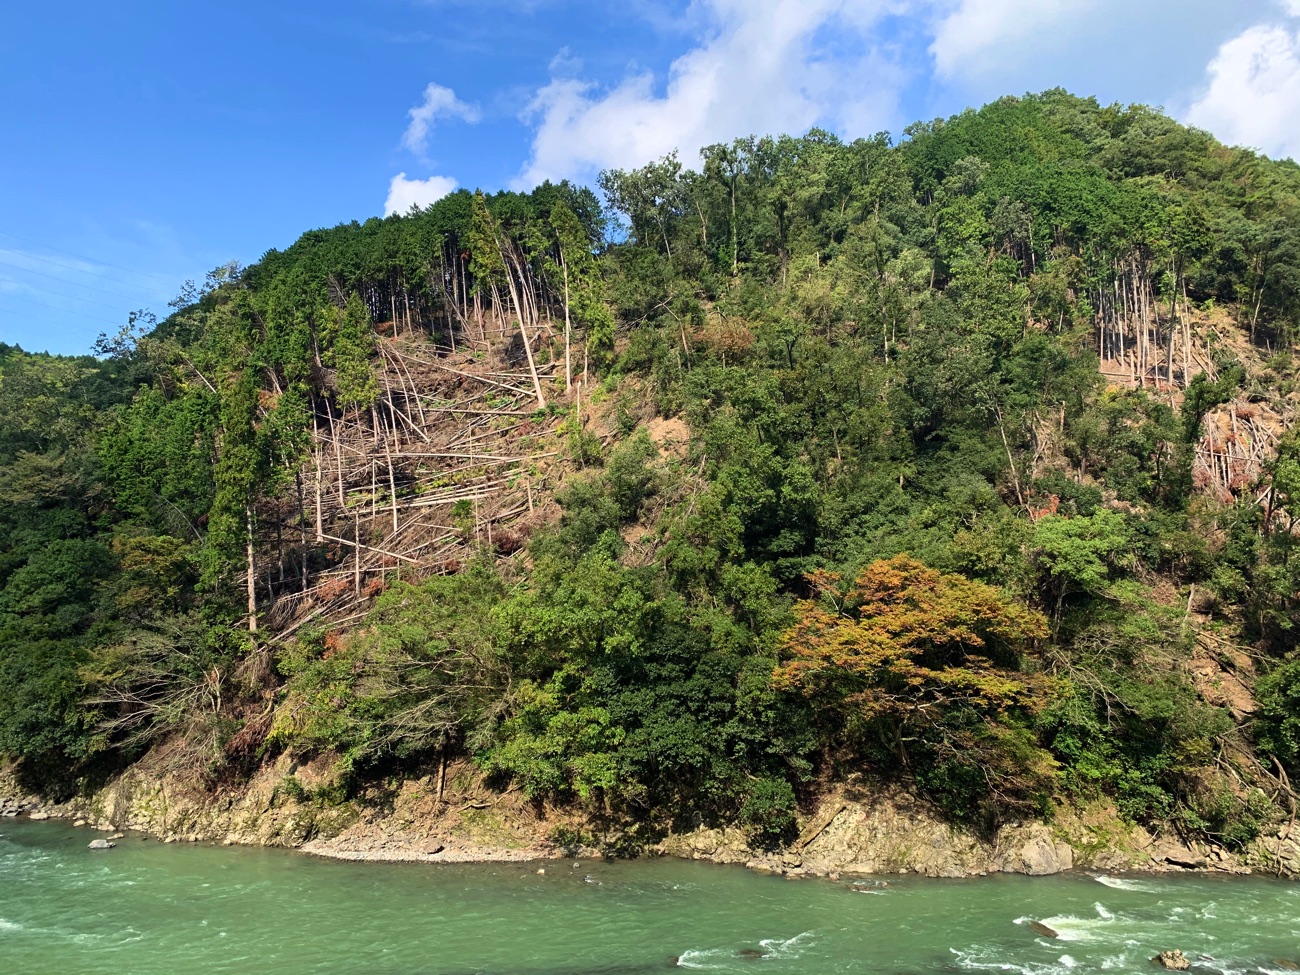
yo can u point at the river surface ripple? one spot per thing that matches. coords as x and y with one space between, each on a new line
146 908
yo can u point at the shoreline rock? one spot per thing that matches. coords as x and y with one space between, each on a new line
855 831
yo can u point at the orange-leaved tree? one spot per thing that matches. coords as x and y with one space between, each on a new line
925 670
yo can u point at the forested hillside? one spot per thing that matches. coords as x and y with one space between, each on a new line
965 461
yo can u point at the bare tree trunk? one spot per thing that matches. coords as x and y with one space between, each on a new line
252 570
496 310
532 294
1144 330
316 453
568 367
1173 327
735 236
663 229
356 565
1129 355
279 552
1139 297
1006 444
528 345
392 481
338 453
320 526
302 526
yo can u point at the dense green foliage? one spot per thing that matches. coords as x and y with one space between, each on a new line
887 358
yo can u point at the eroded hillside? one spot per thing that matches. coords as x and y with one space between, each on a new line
963 470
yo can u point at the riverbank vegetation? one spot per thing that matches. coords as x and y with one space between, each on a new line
966 461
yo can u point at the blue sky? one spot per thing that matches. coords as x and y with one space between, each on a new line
143 143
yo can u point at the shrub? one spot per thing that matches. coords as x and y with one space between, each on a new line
767 812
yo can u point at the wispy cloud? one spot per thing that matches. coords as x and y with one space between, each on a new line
514 6
405 36
439 102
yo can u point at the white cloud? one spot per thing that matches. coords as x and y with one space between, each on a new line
763 66
1253 94
767 66
405 193
439 102
974 36
1147 51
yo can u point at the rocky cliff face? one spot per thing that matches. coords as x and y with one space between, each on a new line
262 812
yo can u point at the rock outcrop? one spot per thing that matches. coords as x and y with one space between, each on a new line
173 808
886 832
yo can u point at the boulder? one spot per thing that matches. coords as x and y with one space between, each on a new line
100 845
1174 961
1038 927
38 815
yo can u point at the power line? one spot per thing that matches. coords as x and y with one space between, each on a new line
61 311
65 281
79 257
25 287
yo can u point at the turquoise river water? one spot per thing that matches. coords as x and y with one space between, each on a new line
146 908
